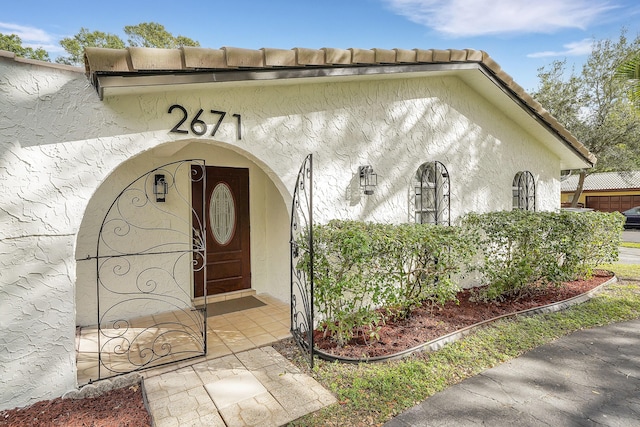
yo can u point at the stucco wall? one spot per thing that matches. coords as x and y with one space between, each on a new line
45 180
59 143
394 125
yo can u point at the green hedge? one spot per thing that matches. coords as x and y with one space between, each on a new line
361 268
523 250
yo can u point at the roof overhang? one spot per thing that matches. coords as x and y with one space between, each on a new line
127 71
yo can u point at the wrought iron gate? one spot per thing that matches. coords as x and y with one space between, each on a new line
151 241
301 243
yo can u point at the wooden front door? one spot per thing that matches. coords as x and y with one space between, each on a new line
226 214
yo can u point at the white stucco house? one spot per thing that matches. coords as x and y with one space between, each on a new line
112 175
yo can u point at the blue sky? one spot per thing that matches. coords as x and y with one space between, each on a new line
521 35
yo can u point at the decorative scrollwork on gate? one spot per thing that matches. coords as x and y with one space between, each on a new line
151 241
301 242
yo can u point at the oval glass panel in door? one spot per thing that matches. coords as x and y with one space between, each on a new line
222 214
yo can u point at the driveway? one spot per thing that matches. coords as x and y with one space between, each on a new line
629 255
631 236
588 378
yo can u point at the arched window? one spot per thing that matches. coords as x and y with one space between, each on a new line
432 201
524 191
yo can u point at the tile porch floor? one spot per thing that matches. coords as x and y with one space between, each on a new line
226 334
241 382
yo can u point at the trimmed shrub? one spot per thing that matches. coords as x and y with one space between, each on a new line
361 267
367 271
523 250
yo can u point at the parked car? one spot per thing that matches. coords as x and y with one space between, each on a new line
633 217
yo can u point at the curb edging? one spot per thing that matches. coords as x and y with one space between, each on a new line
438 343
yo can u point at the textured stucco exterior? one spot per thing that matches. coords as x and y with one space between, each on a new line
65 155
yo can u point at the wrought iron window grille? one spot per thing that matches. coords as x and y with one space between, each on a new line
524 191
432 199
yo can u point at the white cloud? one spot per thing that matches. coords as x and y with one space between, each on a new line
26 34
467 18
33 37
583 47
51 48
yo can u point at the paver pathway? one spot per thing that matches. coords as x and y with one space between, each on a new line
258 387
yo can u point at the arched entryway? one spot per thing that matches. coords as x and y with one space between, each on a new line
145 236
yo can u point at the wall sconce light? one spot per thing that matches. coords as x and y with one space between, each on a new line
160 187
368 179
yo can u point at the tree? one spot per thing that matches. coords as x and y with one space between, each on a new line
147 34
594 106
13 43
75 45
630 72
151 34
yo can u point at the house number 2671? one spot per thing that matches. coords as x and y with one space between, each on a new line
199 126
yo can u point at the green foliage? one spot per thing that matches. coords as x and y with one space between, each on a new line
586 240
76 45
364 272
152 34
594 104
360 267
146 34
629 71
13 43
523 250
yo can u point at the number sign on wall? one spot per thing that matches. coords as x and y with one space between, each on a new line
198 126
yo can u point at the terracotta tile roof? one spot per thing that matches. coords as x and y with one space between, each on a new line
137 61
605 181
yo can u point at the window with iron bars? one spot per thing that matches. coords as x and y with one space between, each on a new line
432 194
524 191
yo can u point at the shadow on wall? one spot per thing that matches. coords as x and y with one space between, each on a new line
36 320
441 119
144 246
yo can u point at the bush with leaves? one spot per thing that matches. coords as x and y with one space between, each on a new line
587 240
524 250
360 267
365 272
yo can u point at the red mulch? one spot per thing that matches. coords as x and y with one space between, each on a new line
427 323
121 407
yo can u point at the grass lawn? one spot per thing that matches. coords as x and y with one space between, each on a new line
630 244
370 394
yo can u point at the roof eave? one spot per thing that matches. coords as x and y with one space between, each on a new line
117 70
108 81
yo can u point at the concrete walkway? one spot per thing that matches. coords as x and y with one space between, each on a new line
588 378
258 387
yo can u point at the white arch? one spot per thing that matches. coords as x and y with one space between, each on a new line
269 203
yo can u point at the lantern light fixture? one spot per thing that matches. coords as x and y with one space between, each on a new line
368 179
160 187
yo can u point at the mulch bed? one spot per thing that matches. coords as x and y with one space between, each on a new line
122 407
427 323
